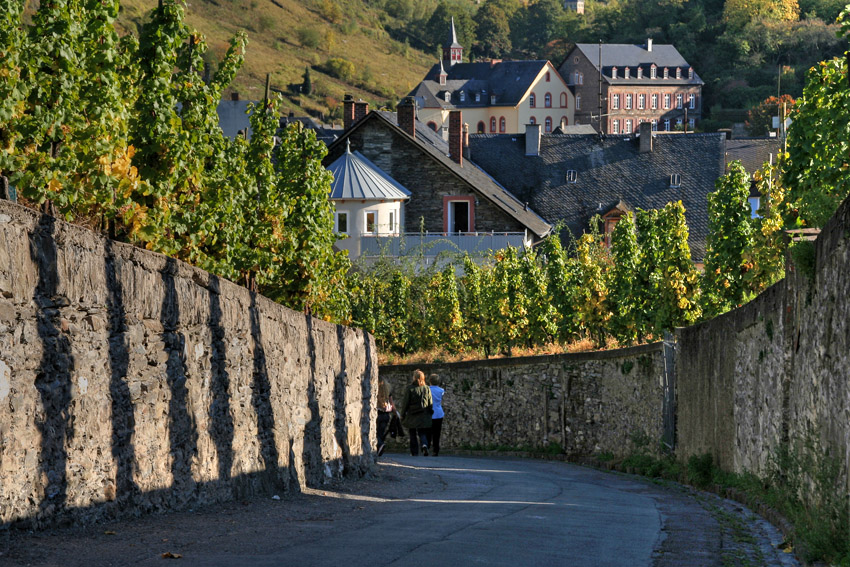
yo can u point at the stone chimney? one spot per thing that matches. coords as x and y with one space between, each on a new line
456 136
532 139
645 138
361 109
649 44
406 113
347 111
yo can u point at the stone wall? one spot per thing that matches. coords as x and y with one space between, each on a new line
589 403
131 382
776 371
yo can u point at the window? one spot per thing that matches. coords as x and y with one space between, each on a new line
640 72
477 97
493 124
578 102
548 124
564 123
678 124
502 124
481 128
392 222
341 222
572 176
575 59
692 123
679 101
578 78
629 101
532 100
371 218
655 125
442 79
755 203
653 72
547 76
563 100
614 73
675 180
615 126
666 73
432 125
492 99
654 102
627 129
532 120
547 100
692 101
666 101
615 102
690 72
458 214
448 96
627 72
610 220
462 96
666 124
641 101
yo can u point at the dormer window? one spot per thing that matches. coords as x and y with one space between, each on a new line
690 72
442 80
666 73
492 99
462 96
640 72
675 180
678 72
627 72
653 72
572 176
448 96
477 97
613 72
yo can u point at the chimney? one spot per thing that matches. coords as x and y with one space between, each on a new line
347 111
406 113
532 139
645 137
234 95
466 140
361 109
649 44
456 136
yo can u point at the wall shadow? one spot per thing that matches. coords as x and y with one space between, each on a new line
123 416
53 380
183 433
221 419
366 422
340 402
312 459
261 401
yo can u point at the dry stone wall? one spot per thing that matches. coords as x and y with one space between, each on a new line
130 382
776 372
588 403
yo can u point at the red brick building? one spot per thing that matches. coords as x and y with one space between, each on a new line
640 83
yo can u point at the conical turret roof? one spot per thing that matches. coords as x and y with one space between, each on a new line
355 177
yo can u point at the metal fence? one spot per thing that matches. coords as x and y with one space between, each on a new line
434 244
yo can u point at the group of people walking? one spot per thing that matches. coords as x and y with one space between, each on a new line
421 413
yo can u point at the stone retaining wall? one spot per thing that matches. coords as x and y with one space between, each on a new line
131 382
588 403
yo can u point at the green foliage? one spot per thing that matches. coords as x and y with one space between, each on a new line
445 321
625 297
494 31
560 277
700 470
760 118
730 236
804 258
309 37
816 172
307 84
340 68
542 315
592 282
766 257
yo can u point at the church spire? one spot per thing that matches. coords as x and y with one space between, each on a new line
453 53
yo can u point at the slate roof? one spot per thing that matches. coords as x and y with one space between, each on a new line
752 152
355 177
478 179
608 172
508 80
622 55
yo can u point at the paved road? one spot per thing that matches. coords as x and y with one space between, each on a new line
435 511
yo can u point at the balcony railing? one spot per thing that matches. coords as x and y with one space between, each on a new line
436 243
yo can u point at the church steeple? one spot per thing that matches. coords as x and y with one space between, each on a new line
453 53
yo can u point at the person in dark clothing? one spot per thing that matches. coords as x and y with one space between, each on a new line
416 408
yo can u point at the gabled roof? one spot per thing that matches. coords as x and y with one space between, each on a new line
608 171
622 55
508 80
478 180
355 177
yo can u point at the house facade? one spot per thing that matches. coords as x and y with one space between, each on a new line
640 83
494 96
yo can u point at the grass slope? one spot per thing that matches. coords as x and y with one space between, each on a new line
285 36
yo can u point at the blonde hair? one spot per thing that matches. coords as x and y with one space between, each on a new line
434 380
419 377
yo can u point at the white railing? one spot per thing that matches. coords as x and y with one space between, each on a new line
435 243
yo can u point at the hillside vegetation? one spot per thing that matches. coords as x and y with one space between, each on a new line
287 36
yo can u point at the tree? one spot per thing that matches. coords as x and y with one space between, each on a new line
542 316
307 84
494 31
561 286
592 277
537 24
439 25
766 258
737 13
760 118
625 296
818 145
730 235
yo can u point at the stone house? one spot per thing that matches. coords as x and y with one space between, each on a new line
640 83
495 96
573 178
451 198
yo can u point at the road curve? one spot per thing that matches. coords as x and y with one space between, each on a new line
452 511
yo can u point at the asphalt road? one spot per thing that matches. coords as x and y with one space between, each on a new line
452 511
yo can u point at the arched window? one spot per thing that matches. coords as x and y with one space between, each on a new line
532 120
564 123
481 129
547 100
563 100
432 125
532 100
547 76
502 124
493 124
548 124
578 102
